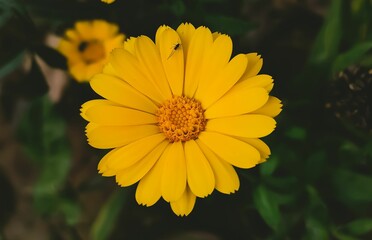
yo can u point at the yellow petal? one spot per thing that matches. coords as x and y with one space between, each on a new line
134 173
254 65
225 80
102 165
262 80
149 188
260 146
129 69
200 176
272 107
173 181
129 45
159 32
109 70
84 28
238 101
248 125
186 32
199 44
149 59
217 56
184 205
121 92
116 136
172 59
112 43
89 104
227 180
71 34
135 151
232 150
108 113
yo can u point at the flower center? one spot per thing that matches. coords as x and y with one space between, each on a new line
181 118
92 51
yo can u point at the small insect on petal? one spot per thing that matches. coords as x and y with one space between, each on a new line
175 48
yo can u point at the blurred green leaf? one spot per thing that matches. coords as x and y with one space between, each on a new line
315 165
70 210
177 7
267 205
12 64
268 167
296 133
107 217
351 57
350 187
327 43
229 25
359 227
316 219
43 137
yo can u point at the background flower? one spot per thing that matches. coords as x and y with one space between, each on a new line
179 114
87 47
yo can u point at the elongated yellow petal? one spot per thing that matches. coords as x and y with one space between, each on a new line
216 58
102 165
159 32
227 181
262 80
149 58
128 68
225 80
272 107
134 173
238 101
135 151
260 146
172 59
121 92
117 136
184 205
254 65
199 44
149 188
186 32
232 150
173 181
248 125
84 28
129 45
106 113
200 176
89 104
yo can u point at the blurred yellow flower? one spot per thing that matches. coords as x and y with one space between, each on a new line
87 47
108 1
180 115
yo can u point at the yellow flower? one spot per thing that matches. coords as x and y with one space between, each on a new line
87 47
180 115
108 1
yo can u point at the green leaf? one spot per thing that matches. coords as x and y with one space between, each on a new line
359 227
43 137
351 57
316 221
352 188
296 133
328 40
106 219
315 165
267 205
70 210
268 167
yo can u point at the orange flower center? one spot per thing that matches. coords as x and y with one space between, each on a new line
181 118
92 51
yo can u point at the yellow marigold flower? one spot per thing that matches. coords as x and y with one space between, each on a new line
180 115
87 47
108 1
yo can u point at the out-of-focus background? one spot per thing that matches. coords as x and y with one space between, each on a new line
317 184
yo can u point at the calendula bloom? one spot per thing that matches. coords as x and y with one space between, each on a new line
180 114
87 47
108 1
